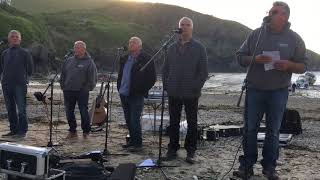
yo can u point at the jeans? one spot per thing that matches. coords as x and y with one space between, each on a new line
273 104
191 109
70 100
15 96
132 108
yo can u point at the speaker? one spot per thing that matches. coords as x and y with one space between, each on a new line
124 172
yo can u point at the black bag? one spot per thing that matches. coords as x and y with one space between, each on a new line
291 122
84 171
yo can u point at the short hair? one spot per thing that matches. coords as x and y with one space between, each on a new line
14 32
135 38
188 19
284 5
83 44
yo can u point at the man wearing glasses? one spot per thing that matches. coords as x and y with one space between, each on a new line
280 53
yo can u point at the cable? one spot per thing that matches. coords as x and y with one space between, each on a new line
233 163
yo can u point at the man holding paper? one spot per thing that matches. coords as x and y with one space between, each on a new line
280 53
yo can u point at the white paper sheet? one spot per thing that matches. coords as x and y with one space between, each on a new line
147 163
275 55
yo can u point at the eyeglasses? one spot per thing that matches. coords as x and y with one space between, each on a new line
275 12
183 24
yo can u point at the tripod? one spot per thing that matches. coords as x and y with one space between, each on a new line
105 151
244 88
164 49
41 97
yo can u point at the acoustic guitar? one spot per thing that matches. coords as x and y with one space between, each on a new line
98 111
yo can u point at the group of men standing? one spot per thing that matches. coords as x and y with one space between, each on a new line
184 74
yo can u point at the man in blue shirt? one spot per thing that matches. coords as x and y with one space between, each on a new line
15 67
133 85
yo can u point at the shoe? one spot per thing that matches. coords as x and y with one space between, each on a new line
271 175
171 155
190 158
20 135
9 134
135 148
125 146
240 173
72 135
85 135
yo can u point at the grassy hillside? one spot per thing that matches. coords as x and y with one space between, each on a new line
106 24
39 6
10 19
111 25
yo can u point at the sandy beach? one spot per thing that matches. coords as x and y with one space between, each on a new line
299 160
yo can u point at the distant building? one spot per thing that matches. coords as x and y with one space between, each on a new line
6 1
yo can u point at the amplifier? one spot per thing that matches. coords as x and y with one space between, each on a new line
25 161
212 133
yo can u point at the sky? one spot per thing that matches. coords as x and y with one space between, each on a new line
304 16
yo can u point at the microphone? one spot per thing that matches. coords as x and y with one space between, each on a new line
267 19
178 31
69 53
3 41
123 48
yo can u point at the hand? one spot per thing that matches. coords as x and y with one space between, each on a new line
282 65
263 59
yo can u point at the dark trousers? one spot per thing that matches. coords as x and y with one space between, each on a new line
132 108
15 97
70 100
191 109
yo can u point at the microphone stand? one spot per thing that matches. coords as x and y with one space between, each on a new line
245 88
41 97
105 151
164 49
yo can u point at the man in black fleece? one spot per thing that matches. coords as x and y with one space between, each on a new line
15 67
184 73
78 77
133 85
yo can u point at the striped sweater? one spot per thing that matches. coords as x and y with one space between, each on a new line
185 70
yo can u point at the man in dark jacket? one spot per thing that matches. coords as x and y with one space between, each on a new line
133 85
280 53
15 67
185 73
78 77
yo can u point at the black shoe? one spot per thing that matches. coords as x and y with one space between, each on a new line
125 146
271 175
20 135
135 148
85 135
9 134
171 155
190 158
240 173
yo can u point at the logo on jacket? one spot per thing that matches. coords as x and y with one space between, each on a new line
283 45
